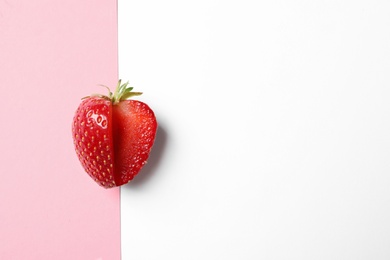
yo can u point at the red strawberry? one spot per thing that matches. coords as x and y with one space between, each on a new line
113 136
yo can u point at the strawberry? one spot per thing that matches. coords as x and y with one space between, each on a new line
113 136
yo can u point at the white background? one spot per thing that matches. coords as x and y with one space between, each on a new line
274 129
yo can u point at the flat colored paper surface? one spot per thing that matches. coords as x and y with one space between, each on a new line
52 53
274 129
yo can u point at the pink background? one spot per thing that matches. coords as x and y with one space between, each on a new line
52 53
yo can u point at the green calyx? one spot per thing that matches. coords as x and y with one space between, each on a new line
122 92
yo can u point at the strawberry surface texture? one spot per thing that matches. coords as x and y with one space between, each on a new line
113 136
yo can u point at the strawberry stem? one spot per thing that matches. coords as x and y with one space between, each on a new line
123 92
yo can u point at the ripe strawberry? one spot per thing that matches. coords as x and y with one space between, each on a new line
113 136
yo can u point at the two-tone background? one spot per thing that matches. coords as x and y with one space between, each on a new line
273 138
